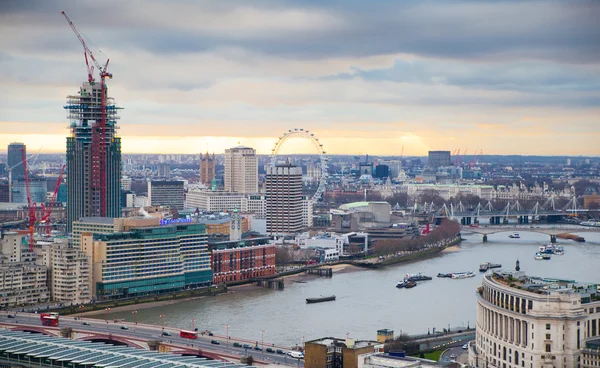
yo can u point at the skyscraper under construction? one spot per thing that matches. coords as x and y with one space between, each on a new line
93 155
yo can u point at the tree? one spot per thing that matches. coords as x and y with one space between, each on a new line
431 195
282 255
402 342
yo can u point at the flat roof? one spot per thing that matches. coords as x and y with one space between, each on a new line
96 354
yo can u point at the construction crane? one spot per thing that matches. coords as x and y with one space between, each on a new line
47 211
30 206
99 128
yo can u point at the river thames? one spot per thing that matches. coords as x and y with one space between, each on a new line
367 300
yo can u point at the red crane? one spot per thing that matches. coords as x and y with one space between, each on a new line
99 128
47 211
30 206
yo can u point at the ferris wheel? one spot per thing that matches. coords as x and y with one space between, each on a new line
305 134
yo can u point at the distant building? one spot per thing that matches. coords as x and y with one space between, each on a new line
22 281
242 260
15 160
163 170
382 171
4 197
365 168
331 352
207 169
219 201
439 158
126 183
284 199
37 188
126 263
166 193
241 170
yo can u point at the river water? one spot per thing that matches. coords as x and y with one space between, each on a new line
368 300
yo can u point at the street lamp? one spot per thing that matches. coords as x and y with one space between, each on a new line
162 318
227 334
134 322
106 310
262 341
193 324
81 307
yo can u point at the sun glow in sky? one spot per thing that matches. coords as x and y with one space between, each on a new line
365 77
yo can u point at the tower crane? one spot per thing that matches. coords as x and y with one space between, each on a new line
99 128
30 206
47 211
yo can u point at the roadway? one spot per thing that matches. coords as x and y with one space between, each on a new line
149 332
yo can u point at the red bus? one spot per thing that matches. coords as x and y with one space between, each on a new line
49 320
188 334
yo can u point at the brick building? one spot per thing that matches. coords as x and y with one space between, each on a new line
242 260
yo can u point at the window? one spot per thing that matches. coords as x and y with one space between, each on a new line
548 346
547 326
548 337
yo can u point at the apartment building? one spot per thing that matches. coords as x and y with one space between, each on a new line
166 193
242 259
241 170
22 281
284 199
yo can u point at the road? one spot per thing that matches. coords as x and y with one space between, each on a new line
150 332
457 353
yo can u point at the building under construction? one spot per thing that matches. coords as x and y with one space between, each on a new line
93 155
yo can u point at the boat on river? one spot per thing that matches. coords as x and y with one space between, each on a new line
417 277
320 299
448 275
546 256
514 236
538 256
462 275
409 284
484 266
401 284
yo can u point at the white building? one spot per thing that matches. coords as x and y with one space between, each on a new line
330 241
22 280
241 170
213 200
284 199
126 183
447 191
532 322
70 280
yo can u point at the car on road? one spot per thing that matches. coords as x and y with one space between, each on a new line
257 348
166 333
247 346
279 351
465 346
452 357
124 328
237 345
10 316
269 350
215 342
86 323
210 334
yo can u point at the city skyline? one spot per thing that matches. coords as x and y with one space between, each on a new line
365 78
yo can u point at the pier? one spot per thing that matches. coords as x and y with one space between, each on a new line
276 284
323 272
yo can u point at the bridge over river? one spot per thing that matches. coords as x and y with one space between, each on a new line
552 231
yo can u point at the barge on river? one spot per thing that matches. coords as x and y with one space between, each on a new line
320 299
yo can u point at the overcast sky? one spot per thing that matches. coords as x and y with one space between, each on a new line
507 77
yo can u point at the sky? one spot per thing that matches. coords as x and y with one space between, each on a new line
377 77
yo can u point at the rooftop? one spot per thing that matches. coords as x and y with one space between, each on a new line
97 220
334 340
36 346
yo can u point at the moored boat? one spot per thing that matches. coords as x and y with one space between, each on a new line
444 275
484 266
401 284
538 256
514 236
462 275
546 256
320 299
417 277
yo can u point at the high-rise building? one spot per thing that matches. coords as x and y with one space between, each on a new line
166 193
37 189
163 170
93 155
438 159
241 170
284 199
207 169
15 160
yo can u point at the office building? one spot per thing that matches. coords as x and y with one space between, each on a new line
307 212
438 159
4 196
93 155
163 170
15 159
242 259
284 199
166 193
382 171
218 224
525 321
126 183
219 201
37 189
207 169
150 256
241 170
365 168
69 271
22 281
331 352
